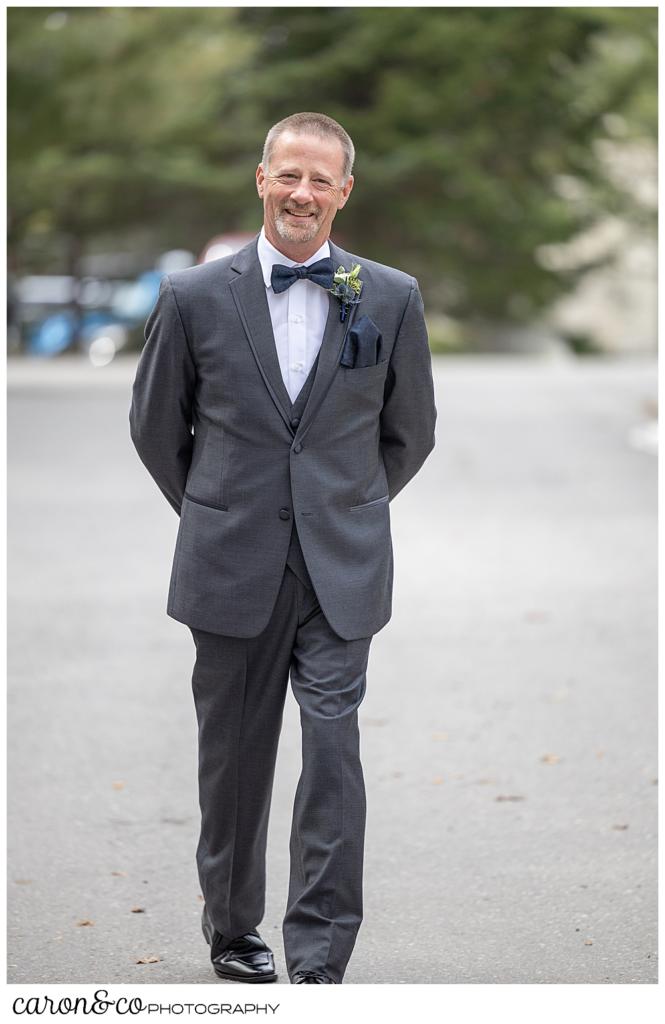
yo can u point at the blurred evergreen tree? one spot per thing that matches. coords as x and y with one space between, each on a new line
465 120
113 125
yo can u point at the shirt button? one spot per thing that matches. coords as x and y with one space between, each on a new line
284 513
295 421
296 318
297 366
298 448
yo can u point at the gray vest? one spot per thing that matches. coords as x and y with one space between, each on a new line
294 558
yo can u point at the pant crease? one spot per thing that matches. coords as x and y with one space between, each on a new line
229 899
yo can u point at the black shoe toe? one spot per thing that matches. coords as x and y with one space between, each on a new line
311 978
245 958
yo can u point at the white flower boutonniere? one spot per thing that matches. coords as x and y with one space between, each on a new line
347 287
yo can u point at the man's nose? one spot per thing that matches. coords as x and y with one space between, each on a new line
302 193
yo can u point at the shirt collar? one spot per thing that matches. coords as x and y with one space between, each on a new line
268 255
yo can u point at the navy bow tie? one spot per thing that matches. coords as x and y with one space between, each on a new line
322 272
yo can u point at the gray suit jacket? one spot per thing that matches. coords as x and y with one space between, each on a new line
210 419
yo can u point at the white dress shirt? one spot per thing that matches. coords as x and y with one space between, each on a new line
298 315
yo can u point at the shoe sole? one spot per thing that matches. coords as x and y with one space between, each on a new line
250 981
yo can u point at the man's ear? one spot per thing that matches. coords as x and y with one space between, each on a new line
345 193
260 180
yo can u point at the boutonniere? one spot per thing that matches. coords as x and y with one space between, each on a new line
347 287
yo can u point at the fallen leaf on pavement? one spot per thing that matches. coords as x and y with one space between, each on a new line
550 759
85 923
148 960
138 910
118 785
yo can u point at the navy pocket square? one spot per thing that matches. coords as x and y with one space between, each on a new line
363 344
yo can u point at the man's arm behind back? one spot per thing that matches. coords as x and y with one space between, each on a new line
160 416
409 414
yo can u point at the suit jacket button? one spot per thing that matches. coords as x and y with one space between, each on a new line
298 448
295 421
284 513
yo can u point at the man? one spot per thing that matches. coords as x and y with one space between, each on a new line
280 407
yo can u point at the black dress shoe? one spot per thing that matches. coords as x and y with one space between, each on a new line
245 958
311 978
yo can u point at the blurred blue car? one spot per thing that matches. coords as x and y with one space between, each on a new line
129 306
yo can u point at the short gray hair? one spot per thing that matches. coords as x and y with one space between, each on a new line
317 124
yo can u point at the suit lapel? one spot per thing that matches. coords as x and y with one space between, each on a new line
331 346
249 294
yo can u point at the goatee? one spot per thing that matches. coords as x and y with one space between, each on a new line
292 232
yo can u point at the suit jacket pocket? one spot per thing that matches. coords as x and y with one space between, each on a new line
361 375
207 504
368 504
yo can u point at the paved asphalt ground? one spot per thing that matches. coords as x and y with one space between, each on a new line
509 726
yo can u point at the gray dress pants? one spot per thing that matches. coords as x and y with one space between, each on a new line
239 690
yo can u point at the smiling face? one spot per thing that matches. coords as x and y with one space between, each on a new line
302 191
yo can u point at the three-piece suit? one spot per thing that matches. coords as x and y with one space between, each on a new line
283 564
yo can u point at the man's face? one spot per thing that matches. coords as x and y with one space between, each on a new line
301 189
